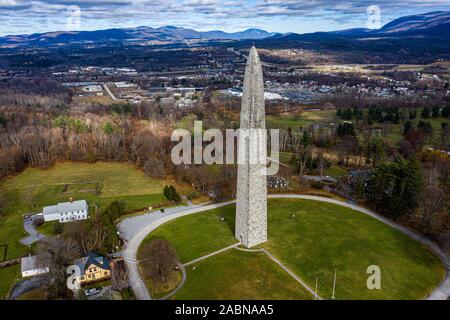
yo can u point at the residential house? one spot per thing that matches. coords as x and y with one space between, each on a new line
66 211
93 268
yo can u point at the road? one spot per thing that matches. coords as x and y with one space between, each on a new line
152 222
132 245
26 285
108 91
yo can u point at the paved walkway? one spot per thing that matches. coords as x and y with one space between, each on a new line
282 266
180 285
211 254
132 245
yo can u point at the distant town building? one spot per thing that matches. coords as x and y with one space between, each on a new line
93 88
168 101
66 211
29 267
93 268
122 84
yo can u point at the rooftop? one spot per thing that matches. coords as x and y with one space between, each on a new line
79 205
95 259
28 263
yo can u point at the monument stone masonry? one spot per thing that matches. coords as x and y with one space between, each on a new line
251 206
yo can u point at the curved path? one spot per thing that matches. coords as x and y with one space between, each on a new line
34 235
132 246
442 292
180 285
26 285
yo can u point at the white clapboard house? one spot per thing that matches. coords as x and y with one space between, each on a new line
66 211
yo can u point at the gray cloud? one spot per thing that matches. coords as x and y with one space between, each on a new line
206 13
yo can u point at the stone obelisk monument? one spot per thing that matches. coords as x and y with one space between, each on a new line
251 207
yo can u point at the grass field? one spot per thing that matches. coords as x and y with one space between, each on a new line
335 171
34 188
395 133
320 239
8 276
239 275
294 121
102 100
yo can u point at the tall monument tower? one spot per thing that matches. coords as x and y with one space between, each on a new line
251 207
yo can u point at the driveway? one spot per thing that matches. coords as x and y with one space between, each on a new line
26 285
135 230
149 224
34 235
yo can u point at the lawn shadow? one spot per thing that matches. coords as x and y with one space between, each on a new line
229 214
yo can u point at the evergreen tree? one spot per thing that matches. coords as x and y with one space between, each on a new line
395 188
436 112
407 127
346 129
446 112
426 113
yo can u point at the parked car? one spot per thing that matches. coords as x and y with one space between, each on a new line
92 292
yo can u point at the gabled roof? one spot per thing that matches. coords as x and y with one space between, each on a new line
63 207
93 259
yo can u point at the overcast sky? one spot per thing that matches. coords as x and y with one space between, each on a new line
301 16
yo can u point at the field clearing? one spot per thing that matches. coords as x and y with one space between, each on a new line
294 122
319 239
395 133
186 122
31 190
102 100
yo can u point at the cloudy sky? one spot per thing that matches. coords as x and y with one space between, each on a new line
301 16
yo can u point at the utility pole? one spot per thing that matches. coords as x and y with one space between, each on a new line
334 285
317 282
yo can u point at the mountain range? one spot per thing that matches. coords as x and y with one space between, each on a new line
139 35
432 25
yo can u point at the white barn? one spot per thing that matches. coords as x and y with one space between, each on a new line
29 267
66 211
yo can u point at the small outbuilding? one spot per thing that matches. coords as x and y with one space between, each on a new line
30 267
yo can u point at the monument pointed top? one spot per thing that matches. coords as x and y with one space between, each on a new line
253 53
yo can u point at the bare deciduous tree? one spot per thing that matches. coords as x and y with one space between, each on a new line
159 260
57 255
119 275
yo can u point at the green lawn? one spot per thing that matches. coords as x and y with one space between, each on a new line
239 276
335 171
319 239
34 188
294 121
8 277
186 122
47 228
196 236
